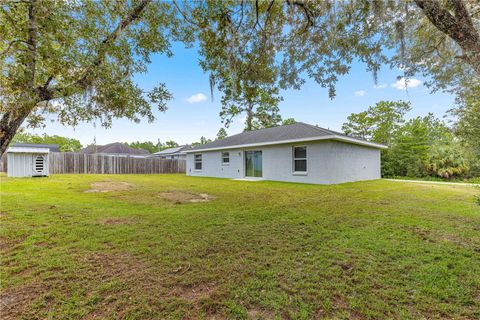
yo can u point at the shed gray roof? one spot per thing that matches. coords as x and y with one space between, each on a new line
282 134
27 150
114 148
50 147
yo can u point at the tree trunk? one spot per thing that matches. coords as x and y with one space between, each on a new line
458 27
249 120
14 116
9 124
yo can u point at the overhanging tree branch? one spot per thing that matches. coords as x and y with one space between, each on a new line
88 75
10 45
460 27
131 17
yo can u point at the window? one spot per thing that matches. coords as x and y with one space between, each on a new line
225 158
300 159
198 162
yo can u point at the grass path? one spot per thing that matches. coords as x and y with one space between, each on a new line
437 182
177 247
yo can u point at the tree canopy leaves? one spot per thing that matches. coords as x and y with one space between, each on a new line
421 146
65 144
289 41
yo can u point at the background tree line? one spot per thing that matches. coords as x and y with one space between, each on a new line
73 145
65 144
422 146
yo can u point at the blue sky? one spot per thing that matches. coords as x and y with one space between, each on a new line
193 114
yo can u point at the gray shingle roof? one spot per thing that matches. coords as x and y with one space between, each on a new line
296 131
174 150
113 148
51 147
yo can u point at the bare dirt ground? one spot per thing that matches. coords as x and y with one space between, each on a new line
13 302
108 186
116 221
179 197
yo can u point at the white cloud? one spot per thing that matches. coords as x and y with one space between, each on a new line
196 98
360 93
380 86
403 84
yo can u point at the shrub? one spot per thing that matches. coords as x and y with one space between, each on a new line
447 162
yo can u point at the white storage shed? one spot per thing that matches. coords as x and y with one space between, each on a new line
27 162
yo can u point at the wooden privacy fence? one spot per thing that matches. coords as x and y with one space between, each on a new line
71 162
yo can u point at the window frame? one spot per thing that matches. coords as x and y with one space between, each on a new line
294 159
196 161
223 157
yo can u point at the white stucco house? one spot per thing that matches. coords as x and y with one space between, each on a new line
297 152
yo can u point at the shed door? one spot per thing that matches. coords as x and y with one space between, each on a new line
39 165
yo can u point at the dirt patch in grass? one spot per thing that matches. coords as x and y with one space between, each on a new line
119 265
109 186
141 280
256 313
116 221
141 275
179 197
341 304
107 310
435 236
43 244
7 245
15 301
346 267
194 293
135 275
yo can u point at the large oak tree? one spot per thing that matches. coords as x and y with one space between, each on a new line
76 60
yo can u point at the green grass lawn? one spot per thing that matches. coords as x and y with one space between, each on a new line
475 180
254 250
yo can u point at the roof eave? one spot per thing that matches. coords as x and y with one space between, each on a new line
359 142
27 150
269 143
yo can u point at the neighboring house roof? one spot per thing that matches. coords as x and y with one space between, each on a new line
50 147
172 151
27 150
292 133
113 148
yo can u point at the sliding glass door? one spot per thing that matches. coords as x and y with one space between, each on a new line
253 163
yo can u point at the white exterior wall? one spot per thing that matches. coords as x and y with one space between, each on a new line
328 162
212 164
21 165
